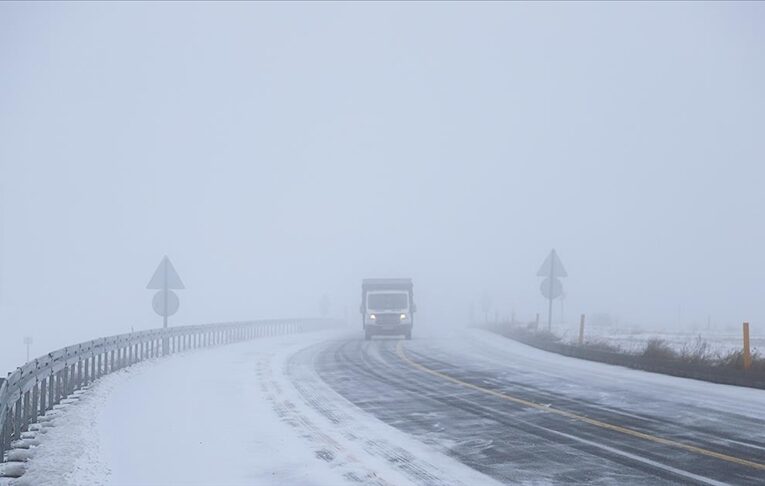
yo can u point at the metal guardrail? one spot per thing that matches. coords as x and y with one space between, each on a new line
34 388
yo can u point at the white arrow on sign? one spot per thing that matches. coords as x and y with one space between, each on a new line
552 267
165 277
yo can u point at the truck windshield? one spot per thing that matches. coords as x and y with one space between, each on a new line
395 301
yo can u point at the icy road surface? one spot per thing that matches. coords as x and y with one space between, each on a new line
522 415
466 408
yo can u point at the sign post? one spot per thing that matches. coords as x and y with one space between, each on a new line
28 342
747 349
165 302
551 287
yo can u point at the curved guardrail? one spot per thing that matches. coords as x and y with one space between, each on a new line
34 388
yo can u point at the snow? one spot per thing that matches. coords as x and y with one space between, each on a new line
232 415
631 389
720 340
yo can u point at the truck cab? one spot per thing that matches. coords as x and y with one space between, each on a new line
387 307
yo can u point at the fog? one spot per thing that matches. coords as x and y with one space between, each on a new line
280 152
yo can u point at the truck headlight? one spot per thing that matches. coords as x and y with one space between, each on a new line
372 316
403 316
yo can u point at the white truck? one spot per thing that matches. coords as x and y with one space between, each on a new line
387 306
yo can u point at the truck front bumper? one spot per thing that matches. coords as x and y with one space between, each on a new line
388 329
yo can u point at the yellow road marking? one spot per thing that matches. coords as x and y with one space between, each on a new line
581 418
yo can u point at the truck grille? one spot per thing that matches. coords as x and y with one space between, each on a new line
388 319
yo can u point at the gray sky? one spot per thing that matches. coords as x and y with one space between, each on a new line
277 152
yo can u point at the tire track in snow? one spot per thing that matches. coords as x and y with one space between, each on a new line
370 450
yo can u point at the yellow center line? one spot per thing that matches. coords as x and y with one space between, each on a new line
581 418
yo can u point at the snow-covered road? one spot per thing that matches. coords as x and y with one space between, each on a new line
522 415
462 408
233 415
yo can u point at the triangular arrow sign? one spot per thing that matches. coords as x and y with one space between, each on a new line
552 267
165 277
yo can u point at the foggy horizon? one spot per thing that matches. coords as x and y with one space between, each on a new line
280 152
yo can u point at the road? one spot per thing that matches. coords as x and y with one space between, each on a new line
522 415
460 408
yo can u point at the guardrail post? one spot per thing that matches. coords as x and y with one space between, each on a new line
25 412
35 402
51 390
5 437
17 419
747 350
77 374
64 383
72 379
43 395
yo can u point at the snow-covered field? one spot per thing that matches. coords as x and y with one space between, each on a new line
719 341
233 415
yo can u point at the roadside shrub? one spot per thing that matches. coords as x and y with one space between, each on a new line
698 352
735 360
659 349
533 335
547 336
602 345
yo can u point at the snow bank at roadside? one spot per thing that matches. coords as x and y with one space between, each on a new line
189 419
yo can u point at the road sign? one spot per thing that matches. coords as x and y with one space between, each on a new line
551 288
552 267
165 303
165 277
